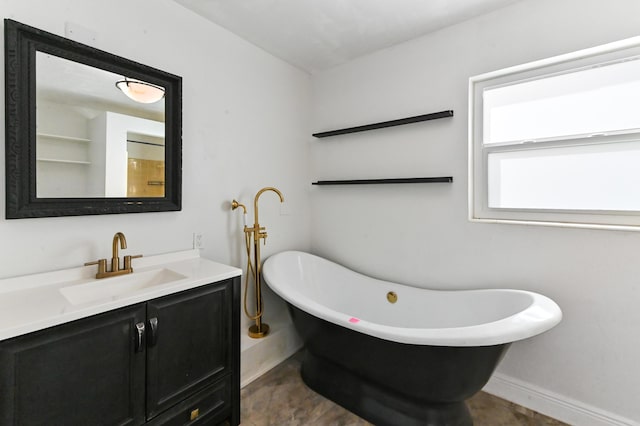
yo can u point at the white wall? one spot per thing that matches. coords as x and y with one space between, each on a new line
245 126
419 234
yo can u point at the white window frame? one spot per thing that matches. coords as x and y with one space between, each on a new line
479 211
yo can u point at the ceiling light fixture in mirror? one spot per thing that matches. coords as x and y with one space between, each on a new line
140 91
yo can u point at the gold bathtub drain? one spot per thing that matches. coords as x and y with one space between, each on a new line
392 297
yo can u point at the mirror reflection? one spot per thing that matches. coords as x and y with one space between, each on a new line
93 138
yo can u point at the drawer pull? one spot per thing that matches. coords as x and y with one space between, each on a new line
194 414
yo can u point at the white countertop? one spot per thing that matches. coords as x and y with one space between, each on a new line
34 302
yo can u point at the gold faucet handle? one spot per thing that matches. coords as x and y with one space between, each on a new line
127 261
102 265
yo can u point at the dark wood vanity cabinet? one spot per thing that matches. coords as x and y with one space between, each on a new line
174 360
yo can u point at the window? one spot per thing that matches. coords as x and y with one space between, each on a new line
557 141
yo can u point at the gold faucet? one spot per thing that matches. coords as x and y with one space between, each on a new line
259 232
259 329
115 260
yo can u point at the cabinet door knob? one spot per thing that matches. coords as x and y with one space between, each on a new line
153 332
140 337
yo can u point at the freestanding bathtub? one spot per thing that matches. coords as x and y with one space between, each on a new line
400 355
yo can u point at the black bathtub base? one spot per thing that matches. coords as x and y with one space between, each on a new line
375 403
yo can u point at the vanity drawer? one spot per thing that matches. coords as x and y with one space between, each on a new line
210 406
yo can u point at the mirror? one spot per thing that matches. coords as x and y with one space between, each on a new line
76 143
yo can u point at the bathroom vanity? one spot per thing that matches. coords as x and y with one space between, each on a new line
159 346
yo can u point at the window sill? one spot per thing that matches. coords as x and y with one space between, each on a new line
601 226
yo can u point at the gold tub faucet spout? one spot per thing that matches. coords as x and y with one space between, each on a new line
255 201
259 232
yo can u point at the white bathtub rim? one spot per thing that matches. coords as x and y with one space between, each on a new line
540 316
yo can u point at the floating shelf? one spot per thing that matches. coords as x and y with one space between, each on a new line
444 179
383 124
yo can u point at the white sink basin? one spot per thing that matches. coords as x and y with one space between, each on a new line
119 286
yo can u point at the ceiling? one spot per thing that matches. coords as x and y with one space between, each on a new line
88 89
318 34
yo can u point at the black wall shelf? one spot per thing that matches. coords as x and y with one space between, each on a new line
383 124
444 179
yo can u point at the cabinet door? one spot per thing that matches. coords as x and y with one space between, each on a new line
189 347
85 372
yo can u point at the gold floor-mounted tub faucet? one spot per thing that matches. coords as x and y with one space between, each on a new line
255 233
115 259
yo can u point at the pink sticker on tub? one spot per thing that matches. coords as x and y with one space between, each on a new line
354 320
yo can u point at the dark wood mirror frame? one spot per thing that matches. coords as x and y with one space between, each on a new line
21 44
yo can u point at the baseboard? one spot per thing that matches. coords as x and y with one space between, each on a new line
260 356
551 404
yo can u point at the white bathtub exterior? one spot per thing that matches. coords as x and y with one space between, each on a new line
420 316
